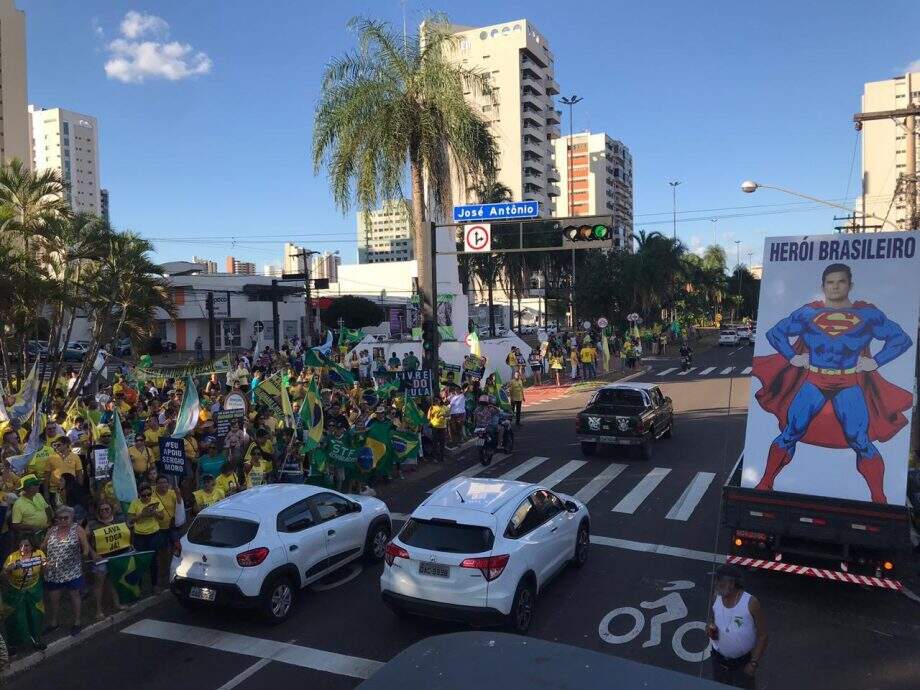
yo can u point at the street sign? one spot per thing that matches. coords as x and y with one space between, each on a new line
602 322
258 327
586 325
632 318
511 210
477 238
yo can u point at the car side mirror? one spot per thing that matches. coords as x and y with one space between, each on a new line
571 506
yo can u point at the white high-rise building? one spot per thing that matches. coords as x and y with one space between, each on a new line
602 180
325 265
210 267
14 118
68 142
884 149
291 262
519 107
271 270
386 234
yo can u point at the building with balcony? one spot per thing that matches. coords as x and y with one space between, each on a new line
385 235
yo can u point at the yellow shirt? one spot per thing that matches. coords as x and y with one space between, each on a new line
26 572
227 483
191 447
258 474
141 459
515 390
39 464
148 524
203 499
110 538
587 355
31 513
168 501
58 466
123 408
152 438
437 416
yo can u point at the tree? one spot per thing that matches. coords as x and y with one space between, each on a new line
396 101
714 258
356 312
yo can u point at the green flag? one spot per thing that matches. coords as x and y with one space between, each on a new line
340 377
376 444
312 358
412 414
350 336
311 416
126 573
405 445
187 419
501 394
289 420
122 471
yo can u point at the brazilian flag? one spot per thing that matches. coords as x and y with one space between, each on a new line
340 377
126 573
412 414
374 455
501 394
312 358
405 445
350 336
311 417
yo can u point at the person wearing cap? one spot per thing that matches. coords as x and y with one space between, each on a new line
31 513
737 630
208 495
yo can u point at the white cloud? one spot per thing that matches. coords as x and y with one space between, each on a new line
97 28
913 66
133 61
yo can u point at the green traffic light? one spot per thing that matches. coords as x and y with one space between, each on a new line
600 232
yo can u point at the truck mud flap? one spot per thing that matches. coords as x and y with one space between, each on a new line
824 574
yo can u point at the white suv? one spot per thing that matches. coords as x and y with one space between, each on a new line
258 547
480 550
729 337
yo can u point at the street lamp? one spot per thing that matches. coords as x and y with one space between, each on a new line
714 221
571 101
674 184
749 187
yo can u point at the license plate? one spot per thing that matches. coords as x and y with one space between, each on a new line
436 569
202 593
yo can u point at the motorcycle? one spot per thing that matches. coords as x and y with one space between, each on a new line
685 361
484 445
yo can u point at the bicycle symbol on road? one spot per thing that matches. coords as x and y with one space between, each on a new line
674 609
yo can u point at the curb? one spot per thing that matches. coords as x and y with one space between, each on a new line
63 644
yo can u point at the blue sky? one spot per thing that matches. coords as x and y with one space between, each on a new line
708 93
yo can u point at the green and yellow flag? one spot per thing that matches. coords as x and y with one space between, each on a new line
311 416
412 414
376 443
405 445
312 358
340 377
126 573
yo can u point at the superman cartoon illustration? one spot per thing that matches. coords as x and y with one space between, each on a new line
824 387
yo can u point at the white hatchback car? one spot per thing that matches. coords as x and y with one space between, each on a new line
257 548
729 337
480 550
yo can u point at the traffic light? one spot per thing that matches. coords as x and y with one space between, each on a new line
430 335
587 233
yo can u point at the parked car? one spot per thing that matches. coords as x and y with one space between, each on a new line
729 337
122 348
744 333
482 550
36 348
258 548
75 351
625 414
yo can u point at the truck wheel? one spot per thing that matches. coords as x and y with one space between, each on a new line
669 432
588 448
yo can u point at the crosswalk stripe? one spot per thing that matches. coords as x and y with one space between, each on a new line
707 370
745 371
691 497
641 491
597 484
524 467
686 371
667 371
560 474
726 370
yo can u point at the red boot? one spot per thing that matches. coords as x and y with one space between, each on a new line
873 471
777 459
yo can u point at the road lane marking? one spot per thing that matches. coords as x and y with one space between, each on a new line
296 655
641 491
746 371
686 371
667 371
726 370
660 549
707 371
691 497
560 474
598 483
246 674
524 467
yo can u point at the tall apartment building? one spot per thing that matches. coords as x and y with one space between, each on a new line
291 262
271 270
601 182
68 142
885 147
519 108
14 118
325 265
386 234
209 266
240 268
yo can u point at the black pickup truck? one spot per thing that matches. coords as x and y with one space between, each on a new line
625 414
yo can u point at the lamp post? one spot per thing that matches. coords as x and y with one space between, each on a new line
571 101
715 240
674 184
749 187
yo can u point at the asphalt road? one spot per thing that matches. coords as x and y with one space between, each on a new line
655 528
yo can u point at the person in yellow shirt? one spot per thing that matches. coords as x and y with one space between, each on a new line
516 395
144 515
63 462
152 435
208 495
169 497
587 355
257 469
227 481
141 456
109 536
24 593
437 418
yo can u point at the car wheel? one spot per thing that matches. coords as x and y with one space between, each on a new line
522 608
582 545
376 543
278 600
588 448
669 432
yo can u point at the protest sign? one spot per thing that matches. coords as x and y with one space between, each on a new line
415 384
474 367
101 465
221 365
172 456
450 374
235 401
223 420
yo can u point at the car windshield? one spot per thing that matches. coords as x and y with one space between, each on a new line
449 537
219 531
620 396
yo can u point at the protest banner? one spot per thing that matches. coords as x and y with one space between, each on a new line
101 465
223 420
474 367
450 374
415 384
221 365
235 401
269 394
172 456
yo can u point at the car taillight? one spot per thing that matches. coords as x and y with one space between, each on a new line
394 551
490 567
253 557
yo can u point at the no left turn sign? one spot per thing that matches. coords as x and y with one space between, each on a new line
477 238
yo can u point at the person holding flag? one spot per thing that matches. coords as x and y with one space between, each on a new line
24 595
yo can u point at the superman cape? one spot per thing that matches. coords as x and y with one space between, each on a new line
780 381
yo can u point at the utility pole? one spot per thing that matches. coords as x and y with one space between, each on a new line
276 339
209 304
428 304
571 102
715 240
674 184
304 255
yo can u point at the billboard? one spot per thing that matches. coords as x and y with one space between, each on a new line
834 366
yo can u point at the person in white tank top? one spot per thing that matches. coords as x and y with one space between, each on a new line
737 630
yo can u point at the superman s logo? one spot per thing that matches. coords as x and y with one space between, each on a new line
834 323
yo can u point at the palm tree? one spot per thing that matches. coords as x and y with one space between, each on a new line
396 101
487 268
31 199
